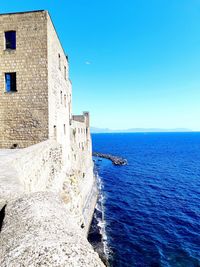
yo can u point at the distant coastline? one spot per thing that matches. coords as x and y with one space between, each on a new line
139 130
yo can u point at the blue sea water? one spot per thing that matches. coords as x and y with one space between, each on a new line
152 205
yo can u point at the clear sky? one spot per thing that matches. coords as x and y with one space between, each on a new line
133 63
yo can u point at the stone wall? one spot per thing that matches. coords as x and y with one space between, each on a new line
40 110
39 231
60 91
41 168
82 165
79 118
24 114
36 168
41 107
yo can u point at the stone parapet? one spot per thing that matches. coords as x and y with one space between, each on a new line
39 231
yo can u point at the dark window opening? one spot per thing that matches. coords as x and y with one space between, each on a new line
59 62
65 72
61 97
65 101
14 146
54 132
10 39
10 79
2 215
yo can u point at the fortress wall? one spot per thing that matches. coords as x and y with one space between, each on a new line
82 167
59 93
41 168
81 148
80 118
24 114
79 137
41 110
36 168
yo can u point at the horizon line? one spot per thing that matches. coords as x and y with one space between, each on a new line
116 132
142 130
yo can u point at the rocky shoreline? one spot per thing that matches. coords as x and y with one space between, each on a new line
115 160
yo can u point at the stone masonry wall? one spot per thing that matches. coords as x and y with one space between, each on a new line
39 110
39 167
24 114
82 166
59 93
32 169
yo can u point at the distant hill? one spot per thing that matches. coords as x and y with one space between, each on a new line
138 130
100 130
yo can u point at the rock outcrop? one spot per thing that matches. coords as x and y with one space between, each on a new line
115 160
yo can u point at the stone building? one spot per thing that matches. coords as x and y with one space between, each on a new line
52 172
35 89
36 108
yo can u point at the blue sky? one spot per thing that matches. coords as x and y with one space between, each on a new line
133 63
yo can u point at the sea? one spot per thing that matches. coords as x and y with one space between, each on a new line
148 212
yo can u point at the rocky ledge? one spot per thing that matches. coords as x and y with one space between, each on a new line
115 160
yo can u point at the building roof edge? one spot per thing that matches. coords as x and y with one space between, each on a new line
22 12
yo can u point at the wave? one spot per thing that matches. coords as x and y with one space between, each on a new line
97 235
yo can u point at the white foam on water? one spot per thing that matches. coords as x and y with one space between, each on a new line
101 221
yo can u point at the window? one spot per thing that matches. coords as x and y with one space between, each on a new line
65 101
61 97
65 72
10 79
54 132
59 62
10 40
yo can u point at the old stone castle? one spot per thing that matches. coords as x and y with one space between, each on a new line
49 167
36 92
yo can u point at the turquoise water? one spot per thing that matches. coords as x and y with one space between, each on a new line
152 205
